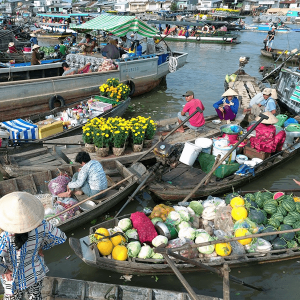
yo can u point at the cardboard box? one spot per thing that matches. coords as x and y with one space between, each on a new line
253 153
50 129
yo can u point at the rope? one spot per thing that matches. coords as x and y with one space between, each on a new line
173 62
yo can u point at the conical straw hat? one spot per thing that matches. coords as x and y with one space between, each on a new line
272 119
20 212
230 92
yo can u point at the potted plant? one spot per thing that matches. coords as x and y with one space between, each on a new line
149 133
138 127
102 137
87 137
120 134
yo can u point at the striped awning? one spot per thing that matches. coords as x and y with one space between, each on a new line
118 25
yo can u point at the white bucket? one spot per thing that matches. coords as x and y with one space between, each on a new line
223 151
205 144
189 153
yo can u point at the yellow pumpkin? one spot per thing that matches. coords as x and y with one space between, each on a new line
223 249
105 247
119 253
243 232
239 213
237 201
297 199
101 232
118 239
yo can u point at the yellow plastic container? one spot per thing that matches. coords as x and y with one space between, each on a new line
50 129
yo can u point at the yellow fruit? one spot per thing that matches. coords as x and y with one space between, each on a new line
119 253
223 249
239 213
297 199
237 201
101 233
117 240
105 247
242 232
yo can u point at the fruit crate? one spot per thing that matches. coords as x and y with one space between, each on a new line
252 153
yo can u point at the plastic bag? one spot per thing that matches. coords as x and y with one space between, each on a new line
223 219
248 224
188 253
213 201
59 184
67 203
237 248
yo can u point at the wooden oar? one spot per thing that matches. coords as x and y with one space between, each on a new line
186 285
262 117
92 197
209 268
172 131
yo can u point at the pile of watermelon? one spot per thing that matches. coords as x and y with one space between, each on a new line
276 212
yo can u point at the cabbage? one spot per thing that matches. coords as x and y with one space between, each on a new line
183 224
191 212
115 229
155 220
184 215
157 256
203 238
197 207
174 218
133 248
132 234
188 233
146 252
125 224
180 208
158 240
199 231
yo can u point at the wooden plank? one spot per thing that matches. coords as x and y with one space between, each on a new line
30 154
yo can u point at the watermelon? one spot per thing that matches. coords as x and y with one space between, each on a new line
278 216
295 215
297 207
282 210
289 220
257 216
270 208
288 203
249 197
278 195
292 244
259 200
274 222
296 226
270 238
286 236
250 204
279 243
231 196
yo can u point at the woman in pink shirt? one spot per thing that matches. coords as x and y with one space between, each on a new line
197 121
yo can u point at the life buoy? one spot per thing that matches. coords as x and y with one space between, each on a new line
54 99
198 38
131 85
225 38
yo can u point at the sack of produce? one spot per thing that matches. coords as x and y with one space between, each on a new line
59 184
144 227
188 253
161 211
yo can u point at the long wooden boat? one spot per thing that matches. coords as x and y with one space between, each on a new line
16 57
65 288
136 266
37 183
281 54
8 36
23 98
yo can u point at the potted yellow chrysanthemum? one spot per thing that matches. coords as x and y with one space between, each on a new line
87 137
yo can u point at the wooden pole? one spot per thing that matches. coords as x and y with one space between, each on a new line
186 285
226 282
92 197
262 117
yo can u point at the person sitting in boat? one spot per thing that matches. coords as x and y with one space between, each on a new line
86 44
73 71
270 39
228 106
33 40
63 48
197 121
35 56
111 50
125 43
90 180
166 31
264 102
265 138
12 48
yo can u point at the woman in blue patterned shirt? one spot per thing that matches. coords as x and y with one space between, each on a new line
26 234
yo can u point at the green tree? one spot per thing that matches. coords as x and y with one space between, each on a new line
173 6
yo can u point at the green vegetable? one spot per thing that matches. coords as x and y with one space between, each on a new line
155 220
282 210
288 203
132 234
274 222
286 236
182 225
125 224
197 207
249 197
146 252
188 233
134 248
184 215
157 256
295 215
295 226
297 206
289 220
257 216
278 216
269 238
160 240
279 243
270 208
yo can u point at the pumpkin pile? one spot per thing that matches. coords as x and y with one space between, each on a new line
204 221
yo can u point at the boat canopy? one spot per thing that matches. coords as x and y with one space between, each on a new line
118 25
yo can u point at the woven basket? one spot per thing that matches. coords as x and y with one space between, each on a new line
118 151
90 148
137 148
102 152
147 143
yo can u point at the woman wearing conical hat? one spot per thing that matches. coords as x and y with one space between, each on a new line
228 106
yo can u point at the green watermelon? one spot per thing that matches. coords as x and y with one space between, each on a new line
279 243
296 225
230 196
278 216
259 200
249 197
288 203
269 238
297 207
282 210
286 236
270 208
289 220
295 215
257 216
274 222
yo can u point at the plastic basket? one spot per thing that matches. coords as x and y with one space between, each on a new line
281 120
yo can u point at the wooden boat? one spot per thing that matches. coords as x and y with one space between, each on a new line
281 54
145 73
16 57
8 36
65 288
135 266
37 183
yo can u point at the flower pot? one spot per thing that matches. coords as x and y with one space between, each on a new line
118 151
147 143
137 148
90 148
102 152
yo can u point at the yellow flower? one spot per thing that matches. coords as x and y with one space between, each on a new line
107 135
98 133
88 134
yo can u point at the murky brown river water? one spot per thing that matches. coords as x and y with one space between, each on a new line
204 73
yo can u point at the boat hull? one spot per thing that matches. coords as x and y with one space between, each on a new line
228 40
277 53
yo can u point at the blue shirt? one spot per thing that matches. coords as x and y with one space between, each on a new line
33 41
233 107
269 104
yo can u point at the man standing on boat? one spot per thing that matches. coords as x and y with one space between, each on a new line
197 121
270 39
